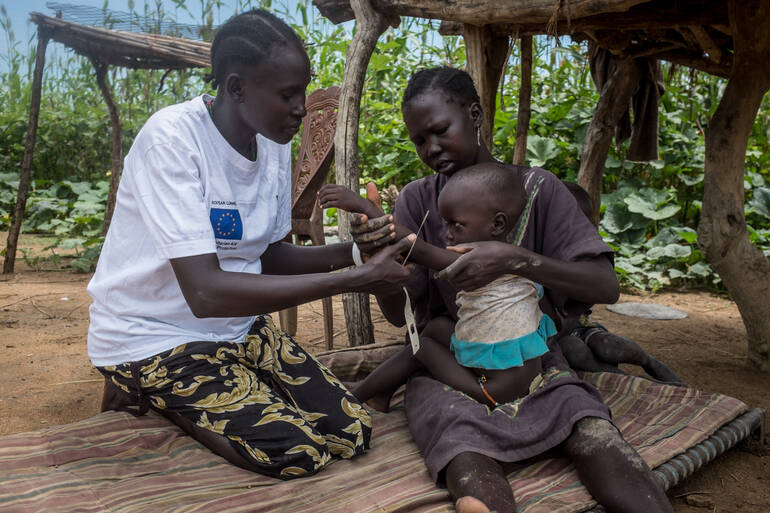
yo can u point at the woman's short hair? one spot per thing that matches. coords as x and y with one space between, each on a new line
457 84
247 39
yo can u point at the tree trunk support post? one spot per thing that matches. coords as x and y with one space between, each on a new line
369 25
614 101
29 150
486 53
117 150
722 232
525 102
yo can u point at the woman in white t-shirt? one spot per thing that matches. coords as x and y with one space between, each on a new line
193 260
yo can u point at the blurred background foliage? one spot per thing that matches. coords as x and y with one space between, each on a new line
650 210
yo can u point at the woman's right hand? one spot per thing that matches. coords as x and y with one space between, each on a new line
383 273
482 262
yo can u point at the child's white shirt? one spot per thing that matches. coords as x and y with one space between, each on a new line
184 191
506 308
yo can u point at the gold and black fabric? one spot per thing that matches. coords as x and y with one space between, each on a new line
278 406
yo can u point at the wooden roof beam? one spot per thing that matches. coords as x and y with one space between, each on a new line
473 12
644 17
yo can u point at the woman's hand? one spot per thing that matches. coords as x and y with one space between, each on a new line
383 273
483 262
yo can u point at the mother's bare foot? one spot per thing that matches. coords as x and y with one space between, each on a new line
470 504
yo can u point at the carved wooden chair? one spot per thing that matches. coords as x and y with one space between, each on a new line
316 152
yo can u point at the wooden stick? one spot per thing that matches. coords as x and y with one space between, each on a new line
525 100
29 149
28 297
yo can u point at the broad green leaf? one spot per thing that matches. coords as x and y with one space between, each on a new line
71 243
651 204
688 235
669 251
540 150
699 269
760 202
691 179
676 273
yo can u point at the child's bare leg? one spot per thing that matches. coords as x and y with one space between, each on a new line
580 357
442 365
612 471
378 387
478 484
615 349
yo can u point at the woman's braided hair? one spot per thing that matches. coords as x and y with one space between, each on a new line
247 39
457 84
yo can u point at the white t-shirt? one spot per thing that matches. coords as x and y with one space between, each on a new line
184 191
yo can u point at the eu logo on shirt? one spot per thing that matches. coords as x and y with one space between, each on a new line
226 223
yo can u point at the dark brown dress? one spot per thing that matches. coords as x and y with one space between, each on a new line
445 422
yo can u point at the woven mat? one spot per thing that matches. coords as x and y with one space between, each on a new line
116 463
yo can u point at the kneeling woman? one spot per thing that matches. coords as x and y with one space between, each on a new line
193 261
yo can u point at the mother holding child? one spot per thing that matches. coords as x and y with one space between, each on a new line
485 390
194 259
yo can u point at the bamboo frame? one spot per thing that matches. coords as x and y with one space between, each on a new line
128 49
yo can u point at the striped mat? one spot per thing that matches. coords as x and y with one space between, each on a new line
116 463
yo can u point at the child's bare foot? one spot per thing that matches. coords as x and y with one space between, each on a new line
379 402
661 372
470 504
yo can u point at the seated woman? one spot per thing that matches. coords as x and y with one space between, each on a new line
464 441
193 261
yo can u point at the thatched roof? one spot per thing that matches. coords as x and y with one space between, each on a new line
128 49
693 33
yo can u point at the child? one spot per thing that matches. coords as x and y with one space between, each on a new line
501 332
588 346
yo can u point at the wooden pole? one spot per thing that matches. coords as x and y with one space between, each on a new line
722 232
29 149
117 150
485 52
369 25
614 101
525 102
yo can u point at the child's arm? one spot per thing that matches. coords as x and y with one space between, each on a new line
338 196
423 253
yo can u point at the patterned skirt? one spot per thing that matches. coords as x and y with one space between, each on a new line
277 405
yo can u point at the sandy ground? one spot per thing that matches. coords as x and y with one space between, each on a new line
47 378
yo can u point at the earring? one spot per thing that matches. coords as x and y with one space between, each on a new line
478 136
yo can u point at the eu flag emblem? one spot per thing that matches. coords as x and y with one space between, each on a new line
226 223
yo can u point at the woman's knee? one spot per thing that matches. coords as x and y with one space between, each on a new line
594 436
296 458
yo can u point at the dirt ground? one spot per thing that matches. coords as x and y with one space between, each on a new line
47 379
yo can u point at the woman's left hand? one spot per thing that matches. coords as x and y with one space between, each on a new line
482 262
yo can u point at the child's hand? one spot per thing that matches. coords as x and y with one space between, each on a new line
350 201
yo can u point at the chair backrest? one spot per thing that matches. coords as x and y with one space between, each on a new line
315 150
